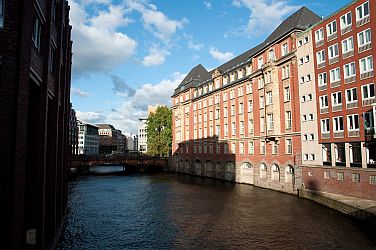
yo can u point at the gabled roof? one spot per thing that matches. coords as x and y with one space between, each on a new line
301 20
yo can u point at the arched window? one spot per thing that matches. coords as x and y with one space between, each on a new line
263 169
271 55
275 172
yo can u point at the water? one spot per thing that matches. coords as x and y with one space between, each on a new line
166 211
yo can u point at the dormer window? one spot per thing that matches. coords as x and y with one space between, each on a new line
217 84
271 55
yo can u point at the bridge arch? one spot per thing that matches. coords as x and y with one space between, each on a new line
275 174
246 173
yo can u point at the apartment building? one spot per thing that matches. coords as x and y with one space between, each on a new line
342 47
142 135
88 138
240 121
35 77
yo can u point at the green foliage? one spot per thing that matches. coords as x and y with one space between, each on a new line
159 131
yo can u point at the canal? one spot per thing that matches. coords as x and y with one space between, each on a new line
167 211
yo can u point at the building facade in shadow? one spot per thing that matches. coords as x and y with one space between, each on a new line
35 76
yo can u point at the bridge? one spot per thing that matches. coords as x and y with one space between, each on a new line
130 163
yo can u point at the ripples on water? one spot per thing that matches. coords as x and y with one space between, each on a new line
166 211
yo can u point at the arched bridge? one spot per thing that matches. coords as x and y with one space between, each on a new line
131 163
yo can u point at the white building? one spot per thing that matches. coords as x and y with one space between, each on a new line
142 136
88 139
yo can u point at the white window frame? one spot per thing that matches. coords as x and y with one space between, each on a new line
344 20
349 70
338 124
288 146
366 64
324 103
332 51
331 28
321 57
335 75
370 88
364 37
287 96
360 11
337 98
260 62
351 91
325 125
285 49
288 119
347 45
270 123
319 35
322 79
352 121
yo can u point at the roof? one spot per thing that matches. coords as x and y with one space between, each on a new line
301 19
105 126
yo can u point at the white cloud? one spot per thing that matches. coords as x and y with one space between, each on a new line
79 92
208 5
93 35
265 14
221 56
90 117
125 116
156 21
195 46
157 56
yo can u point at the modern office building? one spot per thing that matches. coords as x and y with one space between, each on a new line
342 53
108 139
35 76
88 139
240 121
142 135
73 132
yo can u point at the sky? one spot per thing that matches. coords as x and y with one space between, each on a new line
128 54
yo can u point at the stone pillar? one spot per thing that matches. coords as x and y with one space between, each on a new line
333 151
347 154
364 154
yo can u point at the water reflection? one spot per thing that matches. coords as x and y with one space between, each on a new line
166 211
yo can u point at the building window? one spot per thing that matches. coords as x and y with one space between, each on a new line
320 56
1 13
270 122
337 99
225 112
288 120
355 177
351 95
262 104
52 59
269 98
325 125
241 148
233 148
240 91
275 148
306 40
233 110
262 147
285 49
300 43
366 64
251 148
250 106
287 94
368 120
364 37
217 130
322 79
346 20
331 28
241 108
333 51
225 96
218 149
319 35
340 176
260 62
288 146
353 122
249 88
242 127
362 11
271 55
250 126
338 124
324 101
372 180
368 91
335 75
37 32
285 72
226 130
347 45
349 70
233 129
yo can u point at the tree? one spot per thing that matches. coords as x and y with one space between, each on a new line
159 132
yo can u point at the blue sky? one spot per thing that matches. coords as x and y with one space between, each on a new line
131 53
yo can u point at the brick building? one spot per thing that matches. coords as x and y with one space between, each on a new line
241 121
342 88
35 74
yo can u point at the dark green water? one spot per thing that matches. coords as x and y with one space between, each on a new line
166 211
